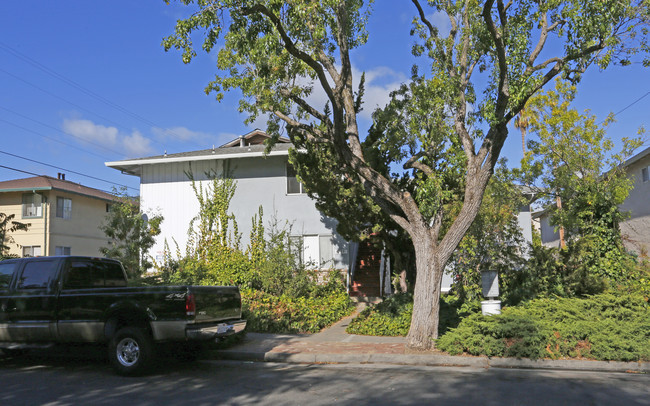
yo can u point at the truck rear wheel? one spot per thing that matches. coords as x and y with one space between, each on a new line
130 351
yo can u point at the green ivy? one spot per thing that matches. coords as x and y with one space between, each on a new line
392 317
268 313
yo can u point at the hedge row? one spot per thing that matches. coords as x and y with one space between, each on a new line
602 327
283 314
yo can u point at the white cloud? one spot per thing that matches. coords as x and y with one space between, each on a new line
132 145
89 131
440 20
136 144
380 81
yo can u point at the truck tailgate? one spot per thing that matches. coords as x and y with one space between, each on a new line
216 303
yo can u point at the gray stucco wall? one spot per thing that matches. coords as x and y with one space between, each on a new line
166 189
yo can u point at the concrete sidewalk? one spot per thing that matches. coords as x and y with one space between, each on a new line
334 346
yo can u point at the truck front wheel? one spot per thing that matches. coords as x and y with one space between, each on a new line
130 351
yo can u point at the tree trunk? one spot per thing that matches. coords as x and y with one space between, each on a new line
403 286
426 299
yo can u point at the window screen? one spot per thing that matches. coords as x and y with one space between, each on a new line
62 250
644 174
63 208
37 275
326 251
33 251
293 186
32 205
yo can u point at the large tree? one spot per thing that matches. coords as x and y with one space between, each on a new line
572 160
495 56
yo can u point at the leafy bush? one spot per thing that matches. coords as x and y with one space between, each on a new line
392 317
283 314
602 327
279 294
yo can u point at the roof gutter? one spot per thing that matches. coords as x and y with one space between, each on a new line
162 160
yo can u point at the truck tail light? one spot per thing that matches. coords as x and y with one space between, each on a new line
190 305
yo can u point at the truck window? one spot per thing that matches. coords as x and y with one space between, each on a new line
6 272
84 275
114 275
37 274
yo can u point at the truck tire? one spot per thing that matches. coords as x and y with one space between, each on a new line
130 351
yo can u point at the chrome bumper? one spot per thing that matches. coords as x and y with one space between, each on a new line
215 331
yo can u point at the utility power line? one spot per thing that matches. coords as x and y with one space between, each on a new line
632 104
85 90
36 174
54 139
67 170
70 103
61 131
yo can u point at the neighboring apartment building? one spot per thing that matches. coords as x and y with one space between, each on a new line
64 216
635 230
266 180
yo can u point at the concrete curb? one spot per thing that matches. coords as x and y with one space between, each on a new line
435 360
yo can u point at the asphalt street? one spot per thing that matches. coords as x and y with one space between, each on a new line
55 379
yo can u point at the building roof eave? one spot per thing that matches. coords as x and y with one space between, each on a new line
132 167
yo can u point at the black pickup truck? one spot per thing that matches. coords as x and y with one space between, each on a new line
69 299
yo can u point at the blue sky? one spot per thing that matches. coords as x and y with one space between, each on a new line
85 82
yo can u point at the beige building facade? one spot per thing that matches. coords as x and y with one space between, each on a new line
64 216
636 229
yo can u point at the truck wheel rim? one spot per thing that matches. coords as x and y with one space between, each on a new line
128 352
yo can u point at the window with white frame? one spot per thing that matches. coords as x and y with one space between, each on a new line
61 250
314 251
63 208
293 185
644 174
32 205
31 251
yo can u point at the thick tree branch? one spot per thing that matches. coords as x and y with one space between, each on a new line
414 163
543 35
560 63
290 46
302 103
311 133
433 31
502 62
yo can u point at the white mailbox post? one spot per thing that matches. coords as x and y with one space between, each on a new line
490 284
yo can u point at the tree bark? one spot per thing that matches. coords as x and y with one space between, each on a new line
426 299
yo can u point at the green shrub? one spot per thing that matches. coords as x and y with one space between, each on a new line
602 327
392 317
283 314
